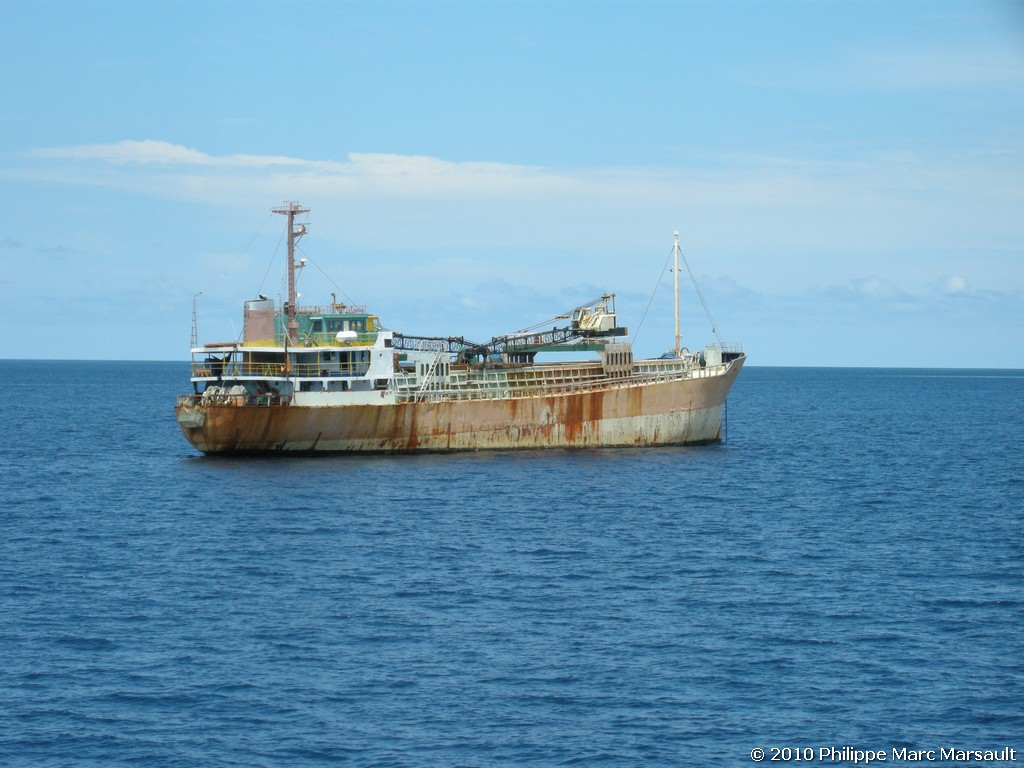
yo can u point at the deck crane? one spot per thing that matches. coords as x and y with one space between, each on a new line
589 324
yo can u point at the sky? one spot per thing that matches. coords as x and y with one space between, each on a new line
847 178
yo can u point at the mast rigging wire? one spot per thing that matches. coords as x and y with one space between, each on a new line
329 278
650 301
273 258
700 295
222 275
243 250
696 288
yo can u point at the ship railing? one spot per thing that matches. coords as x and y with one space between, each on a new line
230 369
316 370
325 339
735 347
330 339
331 309
505 391
209 398
278 370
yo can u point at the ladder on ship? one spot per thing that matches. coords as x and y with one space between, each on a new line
428 375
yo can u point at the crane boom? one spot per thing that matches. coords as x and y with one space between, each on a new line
589 324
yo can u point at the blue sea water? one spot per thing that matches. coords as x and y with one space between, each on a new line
847 570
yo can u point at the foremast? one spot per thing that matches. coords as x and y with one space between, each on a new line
675 271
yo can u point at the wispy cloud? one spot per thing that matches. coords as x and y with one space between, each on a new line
150 152
189 173
399 168
778 221
954 285
171 169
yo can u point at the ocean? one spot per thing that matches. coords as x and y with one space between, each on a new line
846 571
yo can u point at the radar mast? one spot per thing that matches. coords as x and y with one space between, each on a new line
289 209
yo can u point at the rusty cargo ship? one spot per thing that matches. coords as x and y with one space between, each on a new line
333 379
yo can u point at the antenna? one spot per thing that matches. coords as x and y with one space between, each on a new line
195 331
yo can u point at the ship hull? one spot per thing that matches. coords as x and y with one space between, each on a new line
680 412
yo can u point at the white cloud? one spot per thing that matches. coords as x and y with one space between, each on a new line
160 152
874 291
874 287
954 284
150 152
